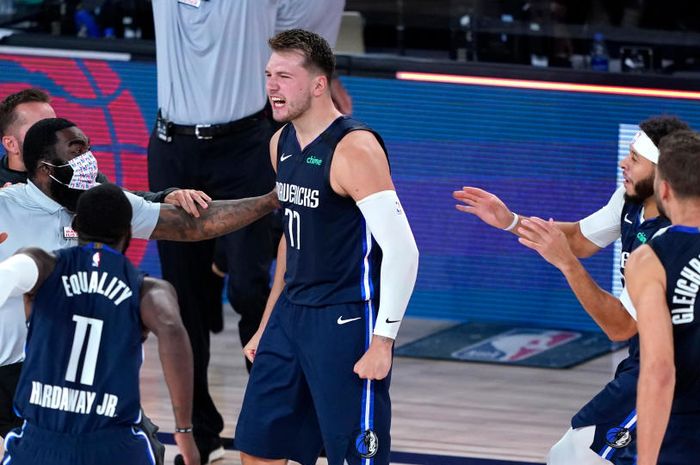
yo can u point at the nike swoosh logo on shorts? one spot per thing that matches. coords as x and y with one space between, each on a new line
392 321
285 156
342 322
626 220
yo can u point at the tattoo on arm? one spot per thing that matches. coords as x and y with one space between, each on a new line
222 217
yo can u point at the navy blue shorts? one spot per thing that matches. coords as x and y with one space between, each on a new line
613 412
32 445
303 394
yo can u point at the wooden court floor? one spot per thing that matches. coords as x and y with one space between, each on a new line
449 409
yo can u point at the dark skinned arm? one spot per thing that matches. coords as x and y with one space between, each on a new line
222 217
160 314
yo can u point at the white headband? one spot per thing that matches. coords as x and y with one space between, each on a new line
645 147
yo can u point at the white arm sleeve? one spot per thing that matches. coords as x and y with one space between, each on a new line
389 226
627 303
603 227
145 216
18 275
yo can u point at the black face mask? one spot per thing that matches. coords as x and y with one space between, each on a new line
64 195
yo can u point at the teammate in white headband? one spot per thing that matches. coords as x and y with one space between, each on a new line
644 146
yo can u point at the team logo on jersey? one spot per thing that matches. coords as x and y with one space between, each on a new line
515 345
314 161
641 237
618 437
367 444
96 260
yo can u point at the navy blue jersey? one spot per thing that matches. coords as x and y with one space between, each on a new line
331 255
83 352
635 231
678 249
613 406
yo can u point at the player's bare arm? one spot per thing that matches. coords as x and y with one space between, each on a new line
276 290
360 170
274 140
547 239
646 283
160 314
222 217
493 211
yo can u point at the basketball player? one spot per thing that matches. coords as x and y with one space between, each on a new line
602 432
78 392
321 370
663 280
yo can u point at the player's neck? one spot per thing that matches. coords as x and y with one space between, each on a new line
650 208
686 213
314 121
14 162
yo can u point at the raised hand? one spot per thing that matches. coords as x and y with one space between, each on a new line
484 205
546 239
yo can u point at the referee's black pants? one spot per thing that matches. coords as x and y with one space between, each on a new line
231 166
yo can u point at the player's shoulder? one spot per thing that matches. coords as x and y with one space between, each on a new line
643 256
152 286
359 143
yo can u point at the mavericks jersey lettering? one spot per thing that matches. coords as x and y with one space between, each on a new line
83 353
678 249
331 255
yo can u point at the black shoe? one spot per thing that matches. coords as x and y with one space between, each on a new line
210 450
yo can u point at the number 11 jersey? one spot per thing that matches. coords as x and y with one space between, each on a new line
84 347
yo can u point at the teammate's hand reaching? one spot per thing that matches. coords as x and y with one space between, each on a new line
546 239
376 362
188 448
486 206
3 236
189 200
252 346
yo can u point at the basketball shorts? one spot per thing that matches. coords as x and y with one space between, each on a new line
303 394
613 413
31 445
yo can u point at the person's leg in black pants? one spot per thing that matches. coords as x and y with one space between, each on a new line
233 166
187 266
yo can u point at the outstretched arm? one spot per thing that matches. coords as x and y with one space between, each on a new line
222 217
493 211
646 283
549 241
161 315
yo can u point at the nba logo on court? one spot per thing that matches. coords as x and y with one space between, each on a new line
515 345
